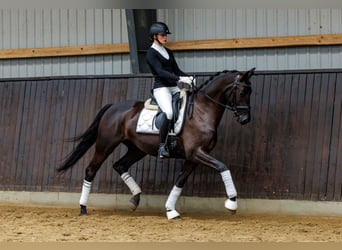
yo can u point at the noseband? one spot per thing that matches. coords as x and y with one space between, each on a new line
234 107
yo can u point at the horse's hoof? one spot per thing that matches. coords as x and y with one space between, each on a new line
172 215
231 205
135 200
232 212
83 210
176 218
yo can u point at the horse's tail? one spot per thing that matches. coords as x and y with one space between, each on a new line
87 139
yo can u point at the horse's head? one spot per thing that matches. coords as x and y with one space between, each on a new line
232 91
238 96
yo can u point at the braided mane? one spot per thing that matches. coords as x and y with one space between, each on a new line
192 95
214 76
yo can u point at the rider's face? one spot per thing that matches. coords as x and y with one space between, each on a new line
162 38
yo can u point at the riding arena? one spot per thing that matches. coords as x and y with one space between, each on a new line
256 156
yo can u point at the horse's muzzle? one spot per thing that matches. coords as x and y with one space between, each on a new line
243 114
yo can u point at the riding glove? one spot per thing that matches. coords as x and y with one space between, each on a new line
187 79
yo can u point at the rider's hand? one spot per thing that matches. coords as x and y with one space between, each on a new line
187 79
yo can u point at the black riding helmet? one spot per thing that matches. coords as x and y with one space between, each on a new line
159 28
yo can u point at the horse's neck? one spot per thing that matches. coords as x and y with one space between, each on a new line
213 94
208 110
218 87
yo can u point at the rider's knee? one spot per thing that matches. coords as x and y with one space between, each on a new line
167 115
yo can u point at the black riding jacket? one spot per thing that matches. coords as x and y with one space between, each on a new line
165 71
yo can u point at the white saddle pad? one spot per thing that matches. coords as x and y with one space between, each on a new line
146 121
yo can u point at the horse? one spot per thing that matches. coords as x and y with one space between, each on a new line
116 123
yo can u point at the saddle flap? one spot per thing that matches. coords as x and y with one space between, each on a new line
151 102
148 120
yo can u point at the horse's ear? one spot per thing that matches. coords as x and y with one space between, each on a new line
247 74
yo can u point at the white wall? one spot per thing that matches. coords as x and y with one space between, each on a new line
31 28
188 24
34 28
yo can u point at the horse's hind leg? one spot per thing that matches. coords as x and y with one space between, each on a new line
170 205
99 157
121 166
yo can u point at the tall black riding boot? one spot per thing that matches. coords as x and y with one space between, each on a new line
163 133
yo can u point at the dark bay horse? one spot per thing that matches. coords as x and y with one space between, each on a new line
115 124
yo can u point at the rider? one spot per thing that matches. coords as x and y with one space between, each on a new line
166 76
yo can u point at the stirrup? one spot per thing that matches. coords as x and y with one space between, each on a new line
163 152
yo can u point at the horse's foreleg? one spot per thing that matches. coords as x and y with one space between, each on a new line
170 205
122 165
231 202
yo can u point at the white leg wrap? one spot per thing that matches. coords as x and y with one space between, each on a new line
130 182
229 184
173 197
85 192
171 201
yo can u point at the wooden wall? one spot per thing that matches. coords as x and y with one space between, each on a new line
290 150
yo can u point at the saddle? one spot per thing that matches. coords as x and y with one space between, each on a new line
151 103
150 117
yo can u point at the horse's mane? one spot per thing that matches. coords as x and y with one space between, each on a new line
193 93
214 76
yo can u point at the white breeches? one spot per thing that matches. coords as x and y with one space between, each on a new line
164 99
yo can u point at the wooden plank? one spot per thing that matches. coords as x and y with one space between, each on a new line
262 42
48 105
294 160
75 114
27 139
38 137
215 44
302 135
59 102
327 105
335 96
18 133
5 111
277 137
257 163
336 159
315 142
288 170
100 49
309 112
268 163
3 94
66 89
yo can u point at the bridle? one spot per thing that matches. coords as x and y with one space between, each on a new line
234 107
